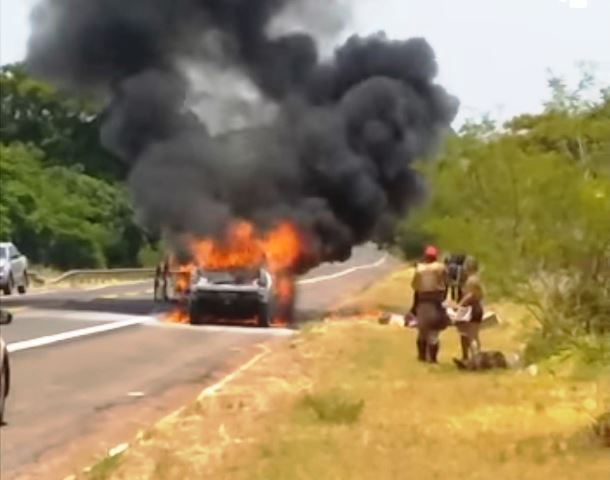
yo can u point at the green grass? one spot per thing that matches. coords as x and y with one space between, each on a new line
425 421
104 469
334 407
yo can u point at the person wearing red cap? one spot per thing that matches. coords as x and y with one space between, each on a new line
430 283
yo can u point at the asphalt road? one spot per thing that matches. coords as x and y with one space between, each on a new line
63 387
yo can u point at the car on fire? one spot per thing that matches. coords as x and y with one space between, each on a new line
236 293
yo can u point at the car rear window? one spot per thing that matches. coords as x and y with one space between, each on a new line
231 276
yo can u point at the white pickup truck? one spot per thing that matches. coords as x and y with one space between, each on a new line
13 269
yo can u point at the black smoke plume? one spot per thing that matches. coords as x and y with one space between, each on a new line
336 158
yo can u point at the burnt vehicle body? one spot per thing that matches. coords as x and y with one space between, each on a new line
170 284
231 294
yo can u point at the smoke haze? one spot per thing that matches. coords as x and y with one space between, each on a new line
328 143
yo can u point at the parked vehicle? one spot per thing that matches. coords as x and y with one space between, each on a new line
5 371
13 269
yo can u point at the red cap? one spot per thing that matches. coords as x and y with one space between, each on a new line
431 252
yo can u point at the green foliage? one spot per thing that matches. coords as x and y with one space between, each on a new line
532 202
61 217
62 198
65 128
105 468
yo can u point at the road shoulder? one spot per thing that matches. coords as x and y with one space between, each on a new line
346 399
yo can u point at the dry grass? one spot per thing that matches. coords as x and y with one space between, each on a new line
347 400
392 294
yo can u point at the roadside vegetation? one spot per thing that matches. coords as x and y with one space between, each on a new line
531 200
347 399
63 198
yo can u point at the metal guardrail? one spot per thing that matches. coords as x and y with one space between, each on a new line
75 275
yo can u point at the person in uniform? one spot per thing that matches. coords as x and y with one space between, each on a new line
430 283
455 268
473 298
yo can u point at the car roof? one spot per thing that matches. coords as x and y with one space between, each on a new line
5 244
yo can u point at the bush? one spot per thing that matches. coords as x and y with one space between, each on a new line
75 250
532 202
62 218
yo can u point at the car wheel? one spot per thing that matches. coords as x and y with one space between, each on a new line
8 288
264 315
196 313
5 379
24 285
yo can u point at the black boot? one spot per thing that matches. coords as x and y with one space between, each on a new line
421 350
433 351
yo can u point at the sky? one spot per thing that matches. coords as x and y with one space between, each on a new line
493 54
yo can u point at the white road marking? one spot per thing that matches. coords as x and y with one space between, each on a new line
123 321
343 273
62 337
207 392
212 389
270 332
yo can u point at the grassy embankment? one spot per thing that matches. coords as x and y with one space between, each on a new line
347 400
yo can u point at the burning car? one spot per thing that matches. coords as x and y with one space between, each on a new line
246 274
234 293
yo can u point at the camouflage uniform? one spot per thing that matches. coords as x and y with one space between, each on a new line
430 287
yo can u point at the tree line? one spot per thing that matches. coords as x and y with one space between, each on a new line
63 199
531 200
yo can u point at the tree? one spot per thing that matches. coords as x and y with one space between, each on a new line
65 128
62 195
62 217
532 202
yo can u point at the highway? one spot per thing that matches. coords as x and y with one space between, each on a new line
91 367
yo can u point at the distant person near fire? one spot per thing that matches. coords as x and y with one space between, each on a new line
430 283
473 298
455 269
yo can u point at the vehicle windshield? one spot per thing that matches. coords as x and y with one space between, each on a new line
3 253
237 276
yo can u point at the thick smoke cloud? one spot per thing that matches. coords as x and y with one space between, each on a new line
336 159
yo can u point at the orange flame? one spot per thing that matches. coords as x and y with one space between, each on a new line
240 249
282 247
176 316
278 250
182 278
